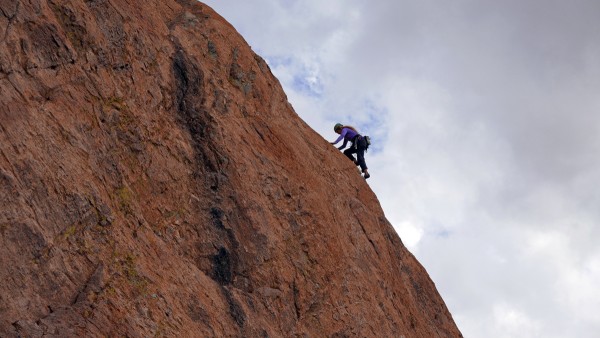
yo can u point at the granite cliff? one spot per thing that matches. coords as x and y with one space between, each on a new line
155 182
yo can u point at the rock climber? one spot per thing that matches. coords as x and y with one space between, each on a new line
359 145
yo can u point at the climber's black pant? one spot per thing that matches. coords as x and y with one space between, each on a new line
359 144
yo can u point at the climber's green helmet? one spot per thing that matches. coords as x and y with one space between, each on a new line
337 127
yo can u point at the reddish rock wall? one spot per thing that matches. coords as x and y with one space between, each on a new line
155 181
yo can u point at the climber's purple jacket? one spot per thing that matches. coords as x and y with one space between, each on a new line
347 134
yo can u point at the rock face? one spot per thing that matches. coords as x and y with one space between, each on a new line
155 181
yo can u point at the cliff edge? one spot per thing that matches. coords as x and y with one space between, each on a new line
155 182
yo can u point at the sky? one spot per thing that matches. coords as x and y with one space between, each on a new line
485 123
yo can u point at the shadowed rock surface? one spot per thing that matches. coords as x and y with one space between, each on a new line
155 182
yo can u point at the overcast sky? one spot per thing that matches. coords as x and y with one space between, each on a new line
485 119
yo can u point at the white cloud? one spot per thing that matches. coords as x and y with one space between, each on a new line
484 118
511 322
412 233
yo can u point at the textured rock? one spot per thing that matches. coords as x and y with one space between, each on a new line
155 181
